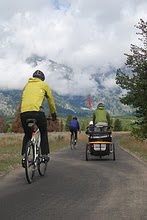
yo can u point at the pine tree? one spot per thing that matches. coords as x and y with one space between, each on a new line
55 125
117 125
16 126
135 83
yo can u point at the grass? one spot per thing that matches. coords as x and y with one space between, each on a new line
10 148
137 148
9 153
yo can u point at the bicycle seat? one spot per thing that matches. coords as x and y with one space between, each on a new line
31 122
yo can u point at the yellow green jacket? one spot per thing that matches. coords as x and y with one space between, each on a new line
101 115
33 96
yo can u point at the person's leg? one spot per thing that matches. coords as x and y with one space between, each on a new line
42 125
27 131
71 134
75 135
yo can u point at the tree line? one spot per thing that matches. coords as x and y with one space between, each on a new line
53 126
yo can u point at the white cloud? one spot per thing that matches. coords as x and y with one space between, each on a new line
80 34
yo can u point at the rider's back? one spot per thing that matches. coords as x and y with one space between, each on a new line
33 96
100 115
74 124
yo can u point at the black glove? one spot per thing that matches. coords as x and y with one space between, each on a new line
54 116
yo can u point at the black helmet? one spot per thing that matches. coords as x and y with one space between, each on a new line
75 118
100 104
39 74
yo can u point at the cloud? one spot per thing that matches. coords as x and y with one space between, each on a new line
84 35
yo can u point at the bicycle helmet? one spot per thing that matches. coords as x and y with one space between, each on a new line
100 105
39 74
75 118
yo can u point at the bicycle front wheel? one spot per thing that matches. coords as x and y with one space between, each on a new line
29 162
42 165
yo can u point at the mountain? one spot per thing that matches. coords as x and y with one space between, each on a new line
54 67
9 101
68 104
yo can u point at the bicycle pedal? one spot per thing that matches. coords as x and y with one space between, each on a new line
45 159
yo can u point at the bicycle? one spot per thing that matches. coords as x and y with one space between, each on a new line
73 142
33 160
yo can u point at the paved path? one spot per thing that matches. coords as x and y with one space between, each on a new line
76 189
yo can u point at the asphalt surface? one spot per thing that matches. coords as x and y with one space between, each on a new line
76 189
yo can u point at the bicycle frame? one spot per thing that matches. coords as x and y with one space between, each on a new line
36 143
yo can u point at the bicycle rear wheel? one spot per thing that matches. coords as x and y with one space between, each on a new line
29 162
42 165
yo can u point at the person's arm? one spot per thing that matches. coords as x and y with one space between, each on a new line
78 126
94 118
50 100
108 118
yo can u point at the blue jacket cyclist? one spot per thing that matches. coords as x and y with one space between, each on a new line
74 127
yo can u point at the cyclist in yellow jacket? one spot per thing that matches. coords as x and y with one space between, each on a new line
34 93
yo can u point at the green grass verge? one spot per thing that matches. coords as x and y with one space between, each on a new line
10 148
138 148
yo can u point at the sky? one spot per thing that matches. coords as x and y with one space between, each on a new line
86 35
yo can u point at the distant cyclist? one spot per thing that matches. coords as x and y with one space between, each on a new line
101 117
33 96
74 127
